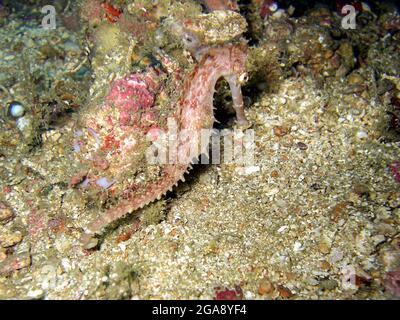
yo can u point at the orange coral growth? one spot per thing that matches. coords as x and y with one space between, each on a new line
213 5
112 14
94 11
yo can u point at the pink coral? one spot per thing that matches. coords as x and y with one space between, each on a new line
235 294
268 8
213 5
395 169
392 282
109 133
133 95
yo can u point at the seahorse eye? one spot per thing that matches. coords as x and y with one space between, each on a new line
243 78
189 39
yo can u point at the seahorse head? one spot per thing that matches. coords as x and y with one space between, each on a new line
238 58
216 29
230 59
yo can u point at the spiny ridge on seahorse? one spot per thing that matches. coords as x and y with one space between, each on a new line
194 112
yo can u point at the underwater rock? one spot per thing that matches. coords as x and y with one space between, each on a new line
15 262
8 238
6 213
217 27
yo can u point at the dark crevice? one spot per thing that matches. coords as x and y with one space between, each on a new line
245 11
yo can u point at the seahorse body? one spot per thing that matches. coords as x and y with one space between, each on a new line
194 112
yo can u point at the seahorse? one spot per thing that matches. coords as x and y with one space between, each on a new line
194 111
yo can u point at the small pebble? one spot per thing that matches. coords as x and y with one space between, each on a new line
282 229
252 169
378 239
35 294
8 239
23 123
66 264
274 174
280 131
16 109
104 183
302 146
265 287
284 292
324 248
272 192
312 282
246 171
355 79
297 246
362 134
328 285
282 100
325 265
